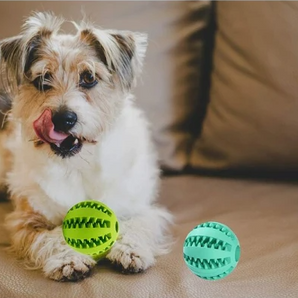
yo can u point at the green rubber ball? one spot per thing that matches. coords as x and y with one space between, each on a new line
91 228
211 250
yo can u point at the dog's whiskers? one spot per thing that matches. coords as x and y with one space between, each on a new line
6 114
37 142
91 154
84 159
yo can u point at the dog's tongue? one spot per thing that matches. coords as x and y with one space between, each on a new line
44 128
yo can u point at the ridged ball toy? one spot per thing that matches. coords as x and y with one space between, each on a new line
91 228
211 250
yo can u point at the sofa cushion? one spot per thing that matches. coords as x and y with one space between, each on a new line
252 117
263 215
168 89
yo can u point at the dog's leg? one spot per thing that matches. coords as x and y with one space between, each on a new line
142 238
42 246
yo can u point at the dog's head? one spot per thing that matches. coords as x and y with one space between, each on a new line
69 89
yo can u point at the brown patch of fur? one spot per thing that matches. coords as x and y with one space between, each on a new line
38 53
126 44
8 47
88 37
38 143
88 98
78 59
25 225
44 32
6 156
52 60
85 34
30 218
32 54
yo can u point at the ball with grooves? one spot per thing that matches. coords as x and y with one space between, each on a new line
211 250
91 228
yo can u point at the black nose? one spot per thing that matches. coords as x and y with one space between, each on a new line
64 120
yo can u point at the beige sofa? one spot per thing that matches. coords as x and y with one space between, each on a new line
220 87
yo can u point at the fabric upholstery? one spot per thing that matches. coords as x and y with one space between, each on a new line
251 120
168 89
263 215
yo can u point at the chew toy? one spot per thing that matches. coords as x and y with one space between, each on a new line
211 250
91 228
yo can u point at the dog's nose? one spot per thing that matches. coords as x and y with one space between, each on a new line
64 120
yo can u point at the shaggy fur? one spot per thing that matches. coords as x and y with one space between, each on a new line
41 69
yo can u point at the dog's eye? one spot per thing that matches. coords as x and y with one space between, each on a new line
87 80
42 82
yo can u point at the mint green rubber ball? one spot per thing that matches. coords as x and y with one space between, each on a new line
91 228
211 250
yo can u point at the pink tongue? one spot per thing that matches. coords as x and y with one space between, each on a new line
44 128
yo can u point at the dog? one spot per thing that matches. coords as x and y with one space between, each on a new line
74 133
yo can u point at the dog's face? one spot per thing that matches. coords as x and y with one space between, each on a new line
70 88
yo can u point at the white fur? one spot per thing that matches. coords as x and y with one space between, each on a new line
120 170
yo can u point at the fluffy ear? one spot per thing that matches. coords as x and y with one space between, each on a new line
122 52
17 54
10 58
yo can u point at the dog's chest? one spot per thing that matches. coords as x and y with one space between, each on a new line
68 187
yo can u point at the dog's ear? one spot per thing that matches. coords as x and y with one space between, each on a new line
17 54
9 48
122 52
10 58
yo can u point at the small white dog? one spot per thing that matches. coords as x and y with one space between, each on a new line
74 134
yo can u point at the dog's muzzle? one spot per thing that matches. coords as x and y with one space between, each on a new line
55 131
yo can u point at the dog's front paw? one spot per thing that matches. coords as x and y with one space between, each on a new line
73 267
130 259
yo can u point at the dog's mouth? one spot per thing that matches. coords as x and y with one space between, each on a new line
61 143
68 147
